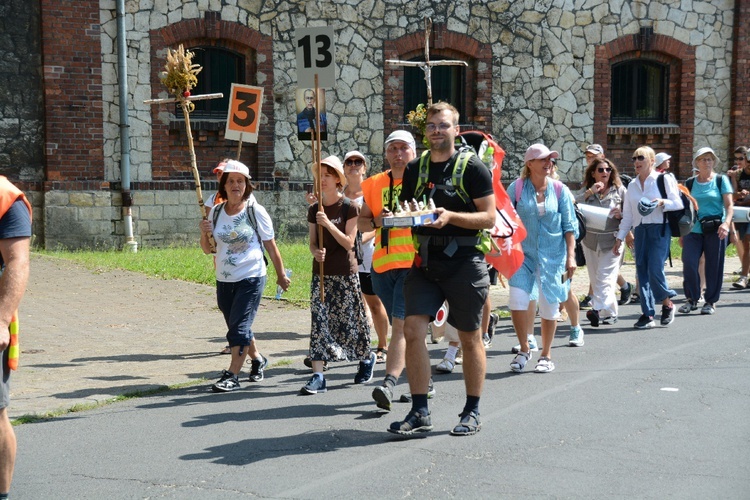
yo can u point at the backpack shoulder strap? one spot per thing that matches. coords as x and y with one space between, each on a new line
459 167
660 185
217 210
718 182
518 191
424 162
250 209
689 183
558 187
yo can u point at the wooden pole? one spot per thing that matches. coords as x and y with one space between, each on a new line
239 147
318 157
196 174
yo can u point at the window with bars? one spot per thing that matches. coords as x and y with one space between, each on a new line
221 68
448 84
639 93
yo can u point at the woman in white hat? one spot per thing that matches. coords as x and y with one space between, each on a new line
339 324
546 209
241 232
709 238
644 210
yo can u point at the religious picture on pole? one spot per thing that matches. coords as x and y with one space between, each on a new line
306 114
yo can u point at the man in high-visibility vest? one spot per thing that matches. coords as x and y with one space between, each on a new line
15 237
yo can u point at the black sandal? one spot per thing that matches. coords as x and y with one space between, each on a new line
381 355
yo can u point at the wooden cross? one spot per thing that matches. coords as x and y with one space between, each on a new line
193 162
427 65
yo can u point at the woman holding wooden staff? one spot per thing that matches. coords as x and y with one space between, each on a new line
241 231
339 324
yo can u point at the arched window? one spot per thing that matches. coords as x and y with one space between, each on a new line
448 84
221 68
639 92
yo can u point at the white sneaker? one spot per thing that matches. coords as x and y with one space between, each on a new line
445 366
460 356
533 346
741 283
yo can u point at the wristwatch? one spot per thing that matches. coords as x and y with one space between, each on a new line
372 224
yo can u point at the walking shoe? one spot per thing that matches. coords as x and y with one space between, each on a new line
576 337
445 366
414 423
625 293
308 363
708 308
533 346
688 307
315 385
383 395
610 320
544 365
257 367
468 425
667 315
644 322
635 298
585 303
487 337
741 283
433 338
364 373
593 316
460 356
519 362
406 398
227 383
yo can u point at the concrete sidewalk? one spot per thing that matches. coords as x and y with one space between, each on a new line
88 336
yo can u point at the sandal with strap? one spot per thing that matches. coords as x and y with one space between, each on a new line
381 355
468 425
226 350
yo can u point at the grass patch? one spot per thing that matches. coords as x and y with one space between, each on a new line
189 263
30 419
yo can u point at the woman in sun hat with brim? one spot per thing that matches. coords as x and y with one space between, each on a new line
709 237
643 210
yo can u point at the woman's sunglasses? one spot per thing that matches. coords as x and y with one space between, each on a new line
602 170
357 163
639 158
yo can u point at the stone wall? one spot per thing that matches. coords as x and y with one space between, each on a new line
21 97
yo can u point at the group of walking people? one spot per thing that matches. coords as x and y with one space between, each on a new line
405 274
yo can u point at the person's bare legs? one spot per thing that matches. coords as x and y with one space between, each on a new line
238 359
486 310
7 451
475 361
395 362
522 326
548 336
379 319
571 305
417 357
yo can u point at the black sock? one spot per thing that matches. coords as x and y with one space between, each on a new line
390 381
3 496
419 403
472 404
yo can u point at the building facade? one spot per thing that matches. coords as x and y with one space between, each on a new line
670 74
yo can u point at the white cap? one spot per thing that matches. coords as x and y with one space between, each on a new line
354 154
595 148
403 136
234 166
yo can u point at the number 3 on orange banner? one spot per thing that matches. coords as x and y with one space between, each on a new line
244 113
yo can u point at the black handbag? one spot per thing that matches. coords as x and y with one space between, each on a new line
580 256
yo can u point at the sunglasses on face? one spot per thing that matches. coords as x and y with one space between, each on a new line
739 158
639 158
602 170
357 163
431 127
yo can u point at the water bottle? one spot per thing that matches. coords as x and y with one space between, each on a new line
279 290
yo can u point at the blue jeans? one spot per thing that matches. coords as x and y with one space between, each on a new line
239 302
651 250
693 246
389 287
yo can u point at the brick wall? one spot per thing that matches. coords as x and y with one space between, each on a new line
740 117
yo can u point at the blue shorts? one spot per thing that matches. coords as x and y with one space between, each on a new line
463 282
389 287
239 302
741 228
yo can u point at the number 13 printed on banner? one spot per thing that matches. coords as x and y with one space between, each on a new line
243 120
316 54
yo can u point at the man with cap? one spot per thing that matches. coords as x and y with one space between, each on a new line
449 265
594 152
394 252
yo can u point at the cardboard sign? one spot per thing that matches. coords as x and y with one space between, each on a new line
315 55
243 119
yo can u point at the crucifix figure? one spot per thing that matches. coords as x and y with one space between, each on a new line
427 65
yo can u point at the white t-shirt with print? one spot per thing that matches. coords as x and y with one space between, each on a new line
239 251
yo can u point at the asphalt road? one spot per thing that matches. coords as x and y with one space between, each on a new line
661 413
